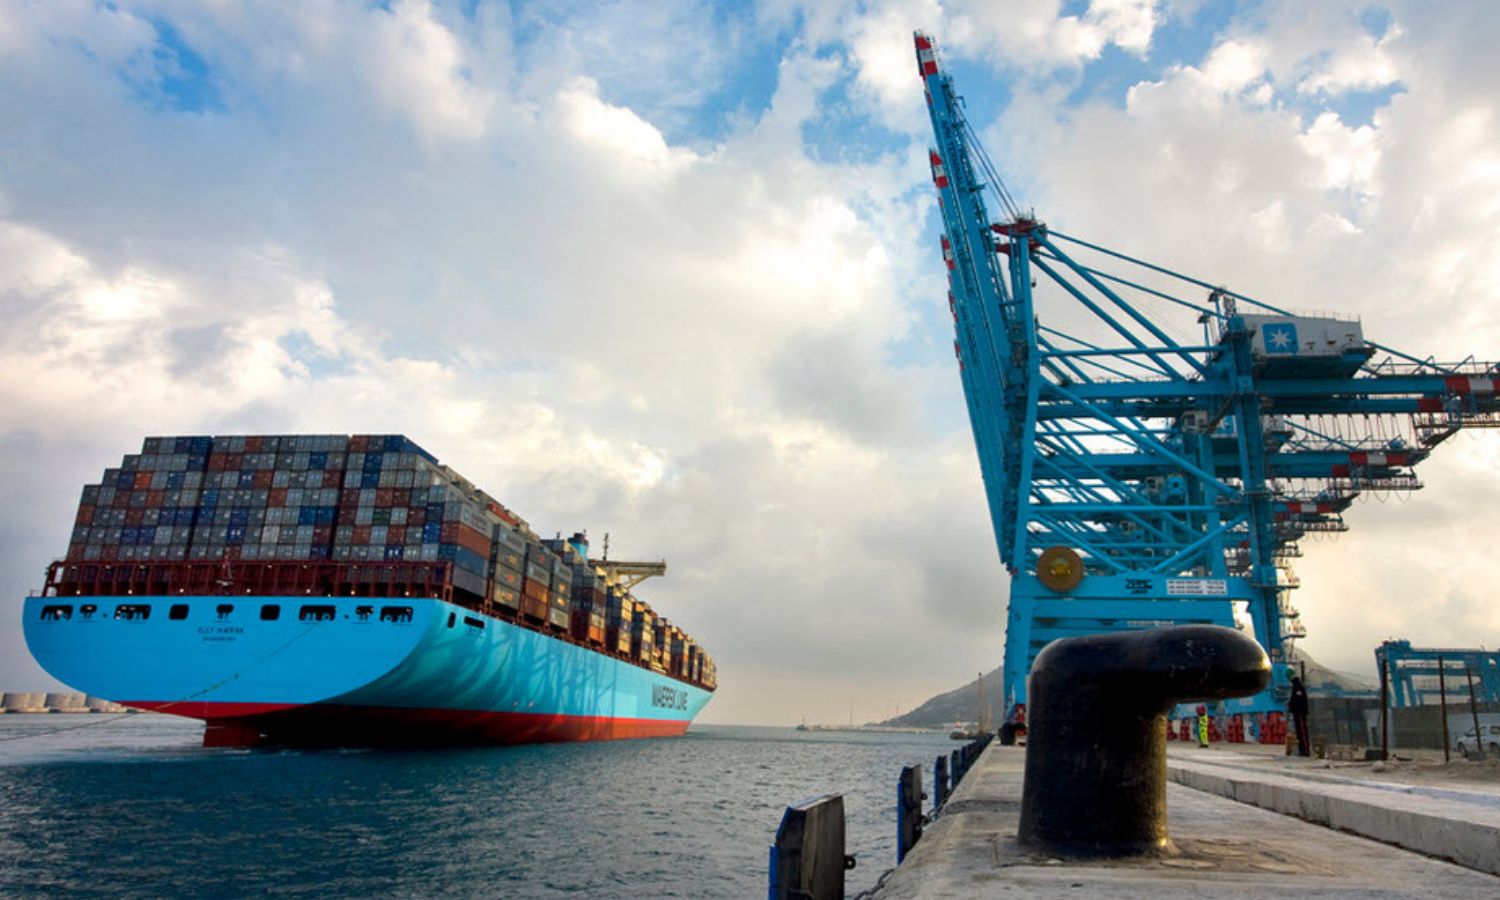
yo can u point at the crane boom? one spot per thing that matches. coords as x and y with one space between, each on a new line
1137 479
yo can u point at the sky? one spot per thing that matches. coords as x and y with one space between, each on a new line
669 270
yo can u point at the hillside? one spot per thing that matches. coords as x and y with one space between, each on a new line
958 705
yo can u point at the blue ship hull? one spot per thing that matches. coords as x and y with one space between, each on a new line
350 670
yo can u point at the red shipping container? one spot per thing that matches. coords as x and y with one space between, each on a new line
450 532
348 514
416 516
109 553
349 497
142 481
277 497
134 516
122 499
534 589
262 478
361 534
216 462
358 443
85 515
504 514
332 478
156 499
395 537
252 444
385 497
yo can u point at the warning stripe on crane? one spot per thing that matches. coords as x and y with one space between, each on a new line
939 174
1378 459
926 56
1465 384
1368 460
948 253
1299 508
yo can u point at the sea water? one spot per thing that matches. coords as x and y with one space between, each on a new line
96 805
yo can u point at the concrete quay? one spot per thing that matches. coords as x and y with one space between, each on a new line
1449 821
1225 848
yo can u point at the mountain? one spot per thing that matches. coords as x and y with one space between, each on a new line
962 703
958 705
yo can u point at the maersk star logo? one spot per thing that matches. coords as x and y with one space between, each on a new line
1280 338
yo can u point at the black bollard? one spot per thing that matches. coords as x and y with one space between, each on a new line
1096 756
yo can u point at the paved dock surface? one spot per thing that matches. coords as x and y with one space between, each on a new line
1460 822
1226 848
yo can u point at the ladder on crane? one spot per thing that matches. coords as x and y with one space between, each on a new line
1153 446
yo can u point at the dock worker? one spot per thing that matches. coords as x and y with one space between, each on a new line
1202 726
1296 706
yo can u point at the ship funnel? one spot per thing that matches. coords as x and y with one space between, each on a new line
1096 755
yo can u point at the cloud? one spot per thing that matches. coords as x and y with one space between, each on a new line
616 129
416 68
1350 156
1040 36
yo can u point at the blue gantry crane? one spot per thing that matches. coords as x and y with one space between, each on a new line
1154 447
1413 671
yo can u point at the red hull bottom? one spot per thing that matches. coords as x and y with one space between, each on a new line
249 724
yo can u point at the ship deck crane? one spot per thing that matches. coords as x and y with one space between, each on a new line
1154 446
626 575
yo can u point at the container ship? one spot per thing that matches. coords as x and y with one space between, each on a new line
351 591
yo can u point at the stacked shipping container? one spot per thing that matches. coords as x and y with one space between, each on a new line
361 507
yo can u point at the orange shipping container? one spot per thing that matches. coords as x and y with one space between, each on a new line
472 540
534 608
